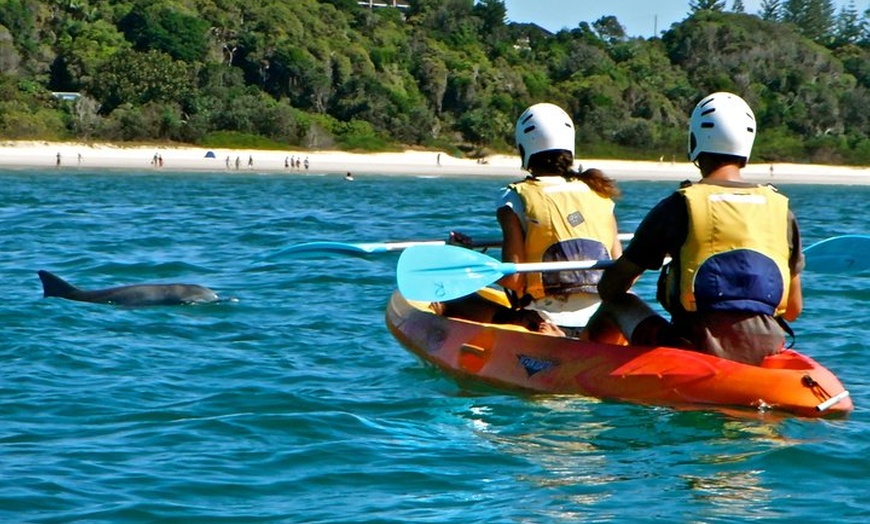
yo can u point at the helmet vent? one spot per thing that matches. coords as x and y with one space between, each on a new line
707 112
529 129
707 125
531 115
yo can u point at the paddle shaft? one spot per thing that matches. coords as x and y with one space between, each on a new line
835 247
370 248
571 265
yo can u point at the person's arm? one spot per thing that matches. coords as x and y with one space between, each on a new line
513 247
616 247
795 303
663 227
618 279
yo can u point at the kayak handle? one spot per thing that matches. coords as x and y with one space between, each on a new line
833 400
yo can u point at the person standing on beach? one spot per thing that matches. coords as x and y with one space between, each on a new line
58 159
735 248
554 214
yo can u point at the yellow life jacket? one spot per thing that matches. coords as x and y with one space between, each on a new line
566 220
736 253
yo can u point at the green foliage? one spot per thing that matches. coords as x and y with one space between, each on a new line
708 5
18 123
771 10
138 78
164 29
777 144
235 139
19 17
813 18
360 135
451 74
27 111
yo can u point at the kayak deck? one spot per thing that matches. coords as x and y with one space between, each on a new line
511 357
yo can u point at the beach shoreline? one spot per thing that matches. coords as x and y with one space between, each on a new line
78 156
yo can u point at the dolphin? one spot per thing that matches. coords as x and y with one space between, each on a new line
135 295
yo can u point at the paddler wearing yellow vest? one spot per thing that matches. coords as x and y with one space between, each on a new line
735 249
554 214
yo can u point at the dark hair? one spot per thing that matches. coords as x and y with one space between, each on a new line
709 162
561 162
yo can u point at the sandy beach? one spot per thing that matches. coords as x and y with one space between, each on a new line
72 156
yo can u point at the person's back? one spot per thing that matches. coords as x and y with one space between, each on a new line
735 247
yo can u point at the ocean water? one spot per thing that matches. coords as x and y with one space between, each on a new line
291 402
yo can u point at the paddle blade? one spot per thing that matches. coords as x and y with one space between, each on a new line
319 250
843 254
439 273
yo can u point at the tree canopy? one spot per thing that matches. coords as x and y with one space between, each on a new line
442 73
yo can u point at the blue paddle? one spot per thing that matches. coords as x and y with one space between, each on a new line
370 248
843 254
439 273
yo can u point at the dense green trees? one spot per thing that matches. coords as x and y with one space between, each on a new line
445 73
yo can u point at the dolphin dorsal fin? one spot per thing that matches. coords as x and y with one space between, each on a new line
54 286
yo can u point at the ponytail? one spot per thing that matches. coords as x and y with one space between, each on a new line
599 182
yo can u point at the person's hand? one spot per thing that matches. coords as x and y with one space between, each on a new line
548 328
460 239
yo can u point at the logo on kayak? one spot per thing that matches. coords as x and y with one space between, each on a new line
435 337
534 365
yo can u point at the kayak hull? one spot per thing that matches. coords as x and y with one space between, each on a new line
511 357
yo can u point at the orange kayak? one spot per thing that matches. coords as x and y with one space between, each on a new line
514 358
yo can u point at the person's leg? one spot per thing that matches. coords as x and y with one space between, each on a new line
473 307
633 318
478 309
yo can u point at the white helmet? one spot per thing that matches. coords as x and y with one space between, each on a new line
721 123
544 127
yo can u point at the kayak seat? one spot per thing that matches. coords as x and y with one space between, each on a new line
496 296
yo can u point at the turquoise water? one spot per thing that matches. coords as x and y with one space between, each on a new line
292 403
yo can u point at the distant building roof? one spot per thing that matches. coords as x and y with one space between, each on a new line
400 4
66 95
531 26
